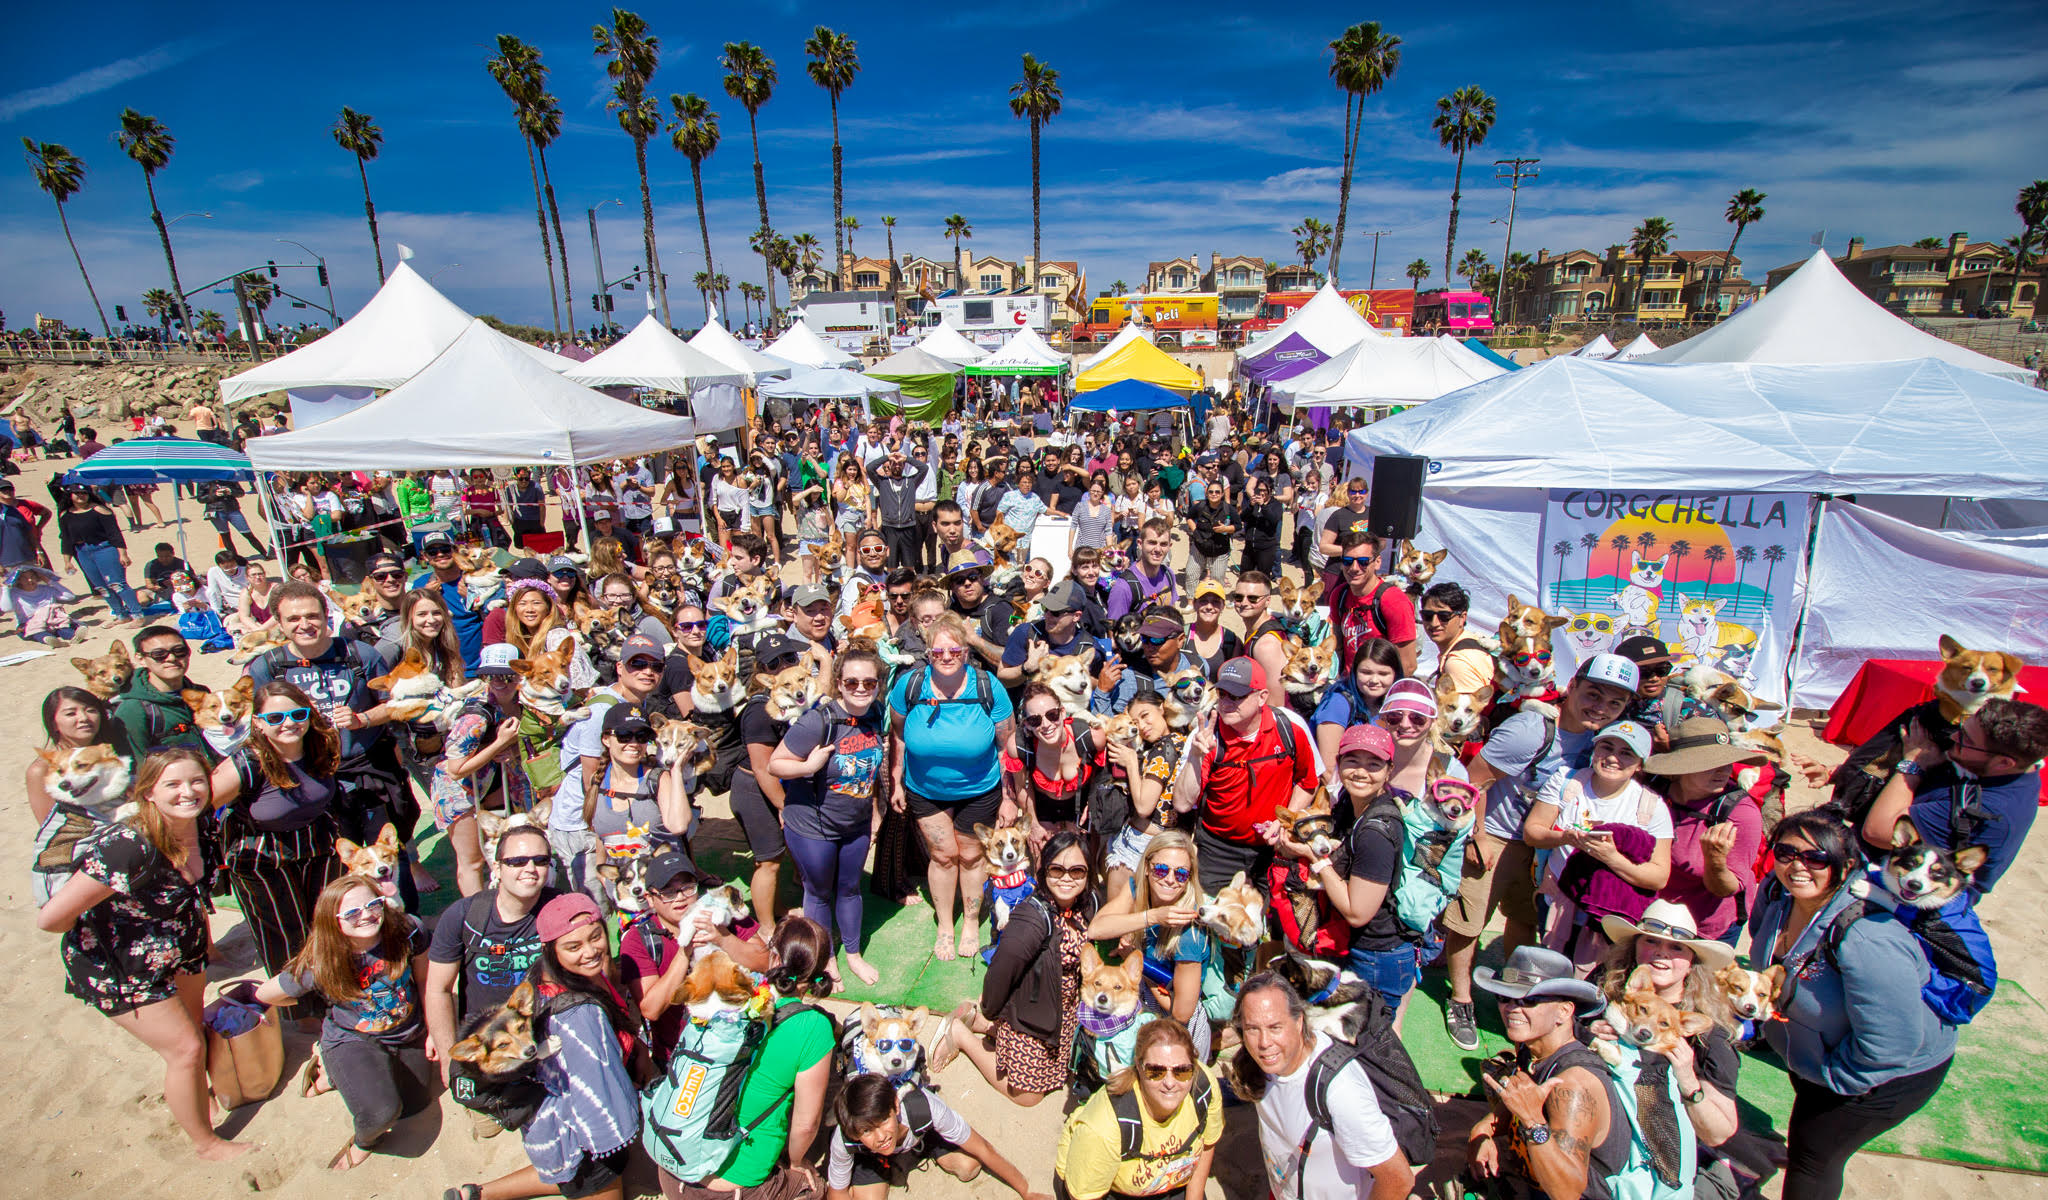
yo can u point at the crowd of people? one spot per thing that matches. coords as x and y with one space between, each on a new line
1084 774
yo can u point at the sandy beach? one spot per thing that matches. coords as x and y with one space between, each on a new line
90 1096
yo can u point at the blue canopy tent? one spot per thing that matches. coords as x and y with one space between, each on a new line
1128 395
163 460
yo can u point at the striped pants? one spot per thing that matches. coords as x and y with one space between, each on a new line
275 877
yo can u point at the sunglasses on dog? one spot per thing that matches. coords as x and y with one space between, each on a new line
1158 1071
297 716
892 1045
1164 873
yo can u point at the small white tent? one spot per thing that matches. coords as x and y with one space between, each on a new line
1640 348
482 403
718 342
1386 371
1131 332
652 357
403 327
1816 316
828 383
801 345
1023 353
1327 322
1599 347
948 343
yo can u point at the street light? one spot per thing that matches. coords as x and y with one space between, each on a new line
442 271
333 317
597 254
204 216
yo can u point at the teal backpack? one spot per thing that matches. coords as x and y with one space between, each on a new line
1662 1147
1432 864
692 1111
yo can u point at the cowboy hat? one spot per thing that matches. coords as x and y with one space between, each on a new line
1672 922
1534 973
1699 744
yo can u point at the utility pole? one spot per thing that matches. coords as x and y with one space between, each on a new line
1377 234
1513 171
597 255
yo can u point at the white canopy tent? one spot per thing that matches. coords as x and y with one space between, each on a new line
1386 371
1640 348
1599 347
801 345
1916 428
1327 322
1816 316
718 342
653 357
1131 332
402 329
1024 348
950 344
829 383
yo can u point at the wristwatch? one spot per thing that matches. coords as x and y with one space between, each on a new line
1909 768
1694 1096
1535 1135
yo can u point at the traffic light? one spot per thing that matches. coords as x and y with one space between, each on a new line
120 312
594 305
609 302
323 274
273 268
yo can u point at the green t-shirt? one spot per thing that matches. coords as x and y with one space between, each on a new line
795 1046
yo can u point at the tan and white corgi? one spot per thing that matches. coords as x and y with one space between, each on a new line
109 674
884 1041
1068 677
750 607
1752 994
223 714
1968 678
790 690
715 683
254 644
1236 914
1184 695
1310 668
682 741
379 862
544 682
1526 627
1007 851
94 778
1417 567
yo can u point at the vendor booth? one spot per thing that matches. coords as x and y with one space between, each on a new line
718 342
924 380
948 343
1384 373
652 357
1141 360
1023 353
801 345
1713 505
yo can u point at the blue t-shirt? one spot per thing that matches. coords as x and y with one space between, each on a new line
1998 820
1514 751
469 625
1018 648
949 748
1336 709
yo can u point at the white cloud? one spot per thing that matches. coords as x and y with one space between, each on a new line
100 78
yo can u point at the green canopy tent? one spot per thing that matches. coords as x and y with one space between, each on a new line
926 382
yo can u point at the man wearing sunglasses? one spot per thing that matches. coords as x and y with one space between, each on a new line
655 956
444 571
151 713
384 580
1366 605
1982 791
1567 1134
1162 651
1463 660
1241 765
1058 632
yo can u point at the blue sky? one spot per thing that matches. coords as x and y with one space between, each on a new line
1187 128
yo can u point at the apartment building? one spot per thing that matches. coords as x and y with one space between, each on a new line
1580 285
1914 280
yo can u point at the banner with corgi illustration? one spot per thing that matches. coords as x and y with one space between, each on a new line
1713 575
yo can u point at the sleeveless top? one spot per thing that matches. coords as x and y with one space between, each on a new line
1606 1158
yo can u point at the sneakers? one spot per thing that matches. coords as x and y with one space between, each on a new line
1459 1023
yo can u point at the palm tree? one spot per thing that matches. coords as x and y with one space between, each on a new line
1773 555
1311 238
1680 551
518 72
1620 543
1363 61
1472 264
1036 97
1744 556
634 53
259 292
809 252
1562 549
1589 542
358 134
782 258
1417 272
1463 119
895 276
1646 241
1745 208
833 65
721 283
851 225
61 173
1715 555
694 133
750 79
1518 270
766 243
958 229
1926 243
541 120
162 305
1119 288
211 323
145 140
750 292
2032 207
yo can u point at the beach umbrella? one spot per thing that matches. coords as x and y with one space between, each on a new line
164 460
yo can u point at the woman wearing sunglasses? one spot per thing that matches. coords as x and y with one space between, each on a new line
423 627
481 766
1183 975
1179 1111
1059 762
365 958
1409 713
1864 1050
830 762
1030 997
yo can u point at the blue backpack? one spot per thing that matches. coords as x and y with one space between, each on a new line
1963 972
692 1111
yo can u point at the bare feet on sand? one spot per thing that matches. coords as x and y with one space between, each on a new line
223 1150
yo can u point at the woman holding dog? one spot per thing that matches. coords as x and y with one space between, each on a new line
423 628
1865 1051
72 718
1161 907
133 916
830 762
1179 1110
1059 762
277 796
481 765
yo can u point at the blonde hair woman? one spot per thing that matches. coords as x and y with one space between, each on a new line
1157 912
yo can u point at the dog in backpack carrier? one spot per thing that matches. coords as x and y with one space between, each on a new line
884 1041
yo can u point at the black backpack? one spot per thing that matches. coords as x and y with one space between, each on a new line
510 1100
1395 1084
1130 1121
920 683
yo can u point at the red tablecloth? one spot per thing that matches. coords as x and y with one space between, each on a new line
1885 687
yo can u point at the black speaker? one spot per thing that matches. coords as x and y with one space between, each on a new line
1397 495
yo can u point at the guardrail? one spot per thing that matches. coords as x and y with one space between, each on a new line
102 351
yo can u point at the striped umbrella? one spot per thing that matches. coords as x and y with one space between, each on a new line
162 460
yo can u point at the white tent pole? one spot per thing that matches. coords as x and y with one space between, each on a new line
582 509
276 542
1805 601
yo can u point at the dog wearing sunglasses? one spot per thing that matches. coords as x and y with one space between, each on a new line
1184 696
1314 826
884 1041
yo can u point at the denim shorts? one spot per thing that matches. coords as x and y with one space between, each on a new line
1392 973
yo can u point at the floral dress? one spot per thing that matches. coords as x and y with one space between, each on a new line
1022 1059
129 949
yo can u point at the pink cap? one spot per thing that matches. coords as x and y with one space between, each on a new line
565 913
1410 695
1369 738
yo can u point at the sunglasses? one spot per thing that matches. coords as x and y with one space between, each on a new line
1351 560
642 664
1433 616
633 739
859 685
692 626
1241 598
1166 874
1809 856
388 576
1654 670
168 655
1189 687
953 655
1034 720
373 907
1666 930
441 552
1056 872
1149 640
1405 720
1158 1071
297 716
523 860
893 1045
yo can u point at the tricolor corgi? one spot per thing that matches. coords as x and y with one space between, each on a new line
1914 874
1007 851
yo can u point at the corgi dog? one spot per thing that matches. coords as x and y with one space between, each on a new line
750 607
1526 627
624 871
1314 826
715 683
1124 635
864 620
1121 730
1748 774
1184 695
500 1043
1236 914
1638 602
1310 668
1752 994
1531 678
1007 851
1722 693
723 904
1590 633
1333 993
715 985
661 593
93 778
1294 603
1416 568
604 632
884 1041
544 683
1916 875
412 685
108 675
1967 678
1703 636
1001 541
1460 715
491 826
682 741
693 564
377 862
223 714
1068 677
832 556
251 645
483 580
1646 1021
1450 806
789 691
1112 1007
357 607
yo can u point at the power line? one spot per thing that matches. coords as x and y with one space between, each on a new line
1513 171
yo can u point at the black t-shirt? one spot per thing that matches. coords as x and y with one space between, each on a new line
1374 854
671 697
757 728
495 956
1344 521
1066 496
1203 520
157 570
1261 524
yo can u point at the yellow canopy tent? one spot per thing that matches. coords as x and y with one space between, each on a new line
1139 360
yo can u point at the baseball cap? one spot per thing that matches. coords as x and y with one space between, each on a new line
1241 677
1643 650
806 594
667 866
1163 623
496 659
1611 669
1369 738
1209 587
774 647
1629 733
639 646
526 568
563 914
1410 695
1065 597
560 563
626 718
378 562
435 541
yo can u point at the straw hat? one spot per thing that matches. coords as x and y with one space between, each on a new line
1699 744
1672 922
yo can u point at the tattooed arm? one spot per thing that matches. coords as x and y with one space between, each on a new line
1574 1108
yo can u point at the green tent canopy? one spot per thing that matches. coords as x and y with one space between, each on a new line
925 379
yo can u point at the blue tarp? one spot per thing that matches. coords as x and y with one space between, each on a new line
1129 395
1491 355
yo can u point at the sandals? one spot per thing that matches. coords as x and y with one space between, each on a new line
943 1049
313 1080
463 1191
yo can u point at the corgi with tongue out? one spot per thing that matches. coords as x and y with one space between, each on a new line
377 862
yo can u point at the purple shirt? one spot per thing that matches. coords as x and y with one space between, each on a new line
1715 914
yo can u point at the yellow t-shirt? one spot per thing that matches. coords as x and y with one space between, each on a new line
1090 1145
